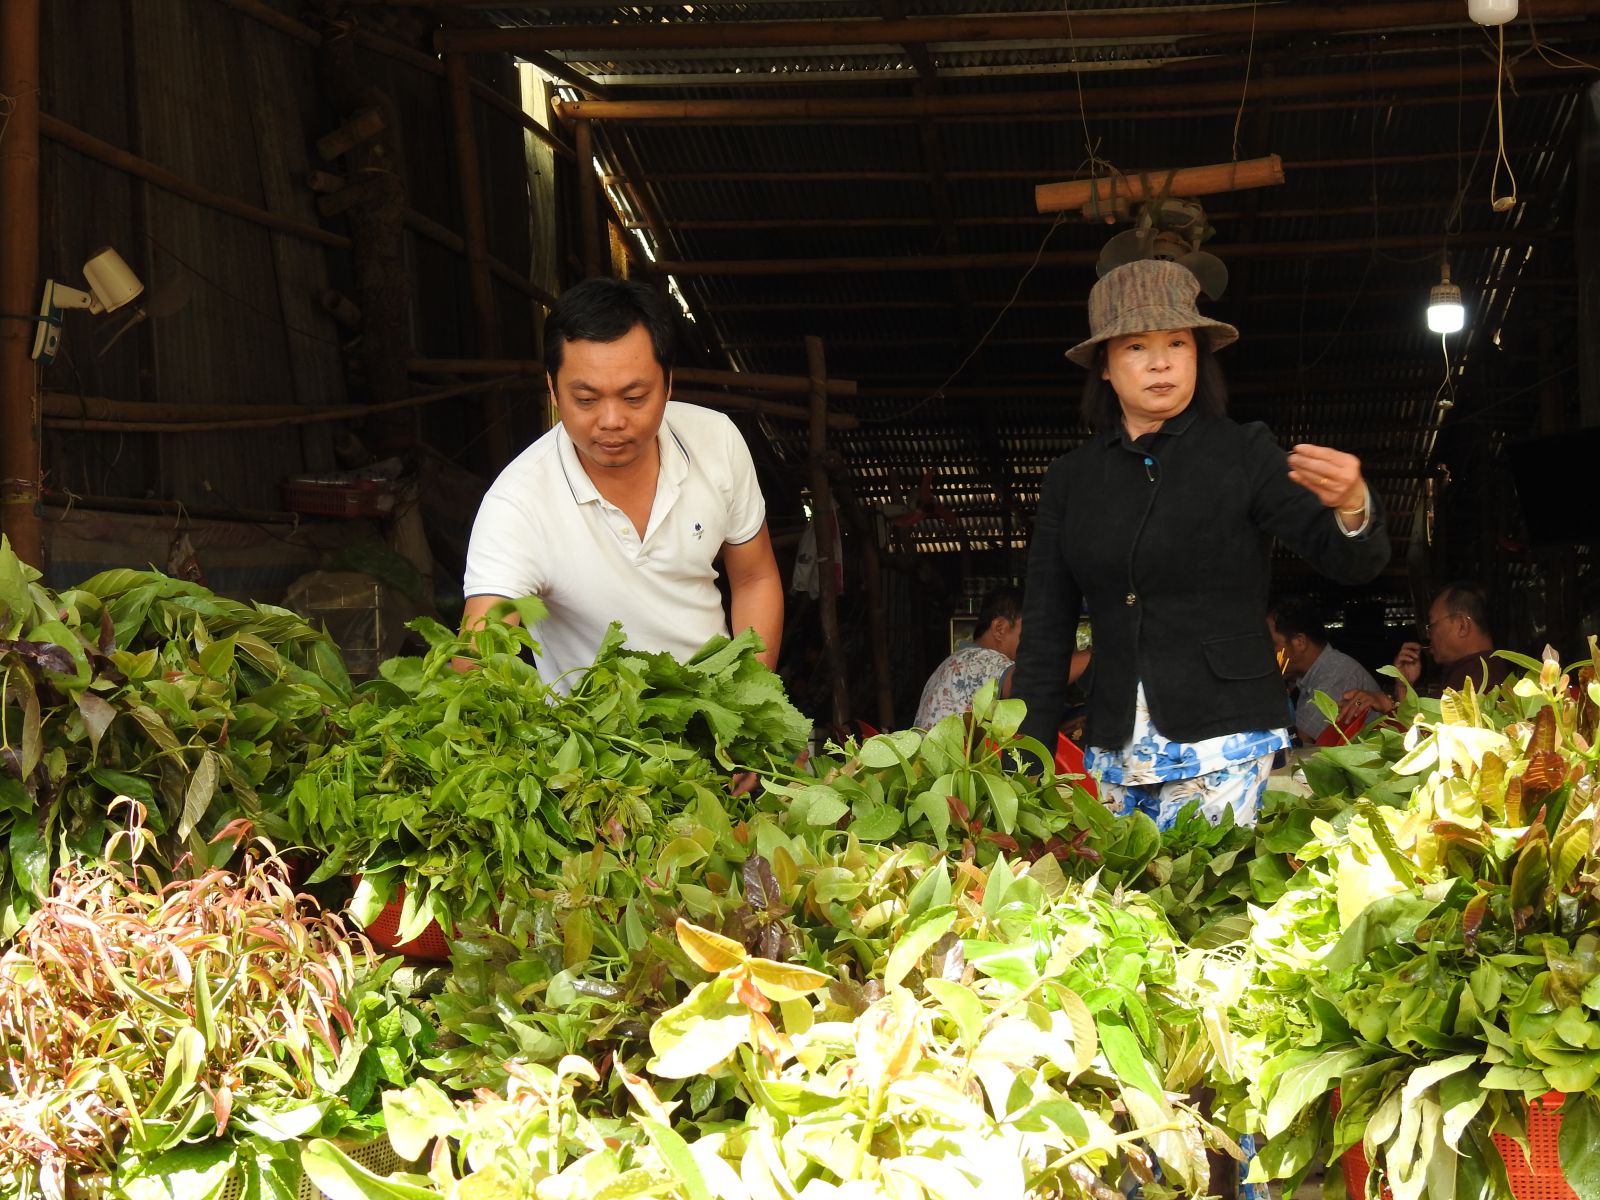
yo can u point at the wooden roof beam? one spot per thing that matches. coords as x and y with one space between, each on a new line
1011 104
1073 258
666 36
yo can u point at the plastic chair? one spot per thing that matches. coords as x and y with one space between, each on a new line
1069 761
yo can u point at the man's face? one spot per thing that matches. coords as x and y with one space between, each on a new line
1447 631
611 397
1290 651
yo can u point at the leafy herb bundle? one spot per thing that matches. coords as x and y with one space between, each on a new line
199 707
466 786
1440 962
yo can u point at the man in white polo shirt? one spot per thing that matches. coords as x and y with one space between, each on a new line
621 512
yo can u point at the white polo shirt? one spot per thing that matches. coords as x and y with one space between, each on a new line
544 530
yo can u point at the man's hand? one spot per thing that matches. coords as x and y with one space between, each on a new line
1358 701
1409 662
473 617
755 590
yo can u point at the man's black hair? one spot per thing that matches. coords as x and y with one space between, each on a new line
603 310
1102 410
1469 599
1002 603
1291 617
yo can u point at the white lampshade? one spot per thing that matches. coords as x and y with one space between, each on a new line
1492 12
1446 314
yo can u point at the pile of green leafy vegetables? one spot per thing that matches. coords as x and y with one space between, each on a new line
1438 962
471 787
201 708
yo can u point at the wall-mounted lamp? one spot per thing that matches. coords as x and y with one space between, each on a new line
1446 314
112 284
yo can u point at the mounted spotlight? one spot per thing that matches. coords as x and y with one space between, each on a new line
1446 314
112 284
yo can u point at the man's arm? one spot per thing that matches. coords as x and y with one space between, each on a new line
756 590
472 620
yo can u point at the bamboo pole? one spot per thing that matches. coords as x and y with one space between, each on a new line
589 227
305 414
746 381
1096 196
755 404
469 180
1165 23
90 146
1071 258
1011 104
20 282
822 522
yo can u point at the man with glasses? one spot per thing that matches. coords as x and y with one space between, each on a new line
1461 644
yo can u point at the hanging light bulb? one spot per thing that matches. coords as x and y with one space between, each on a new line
1492 12
1446 314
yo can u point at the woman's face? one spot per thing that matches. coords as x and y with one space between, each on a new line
1153 375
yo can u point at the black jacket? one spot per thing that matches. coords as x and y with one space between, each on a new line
1169 541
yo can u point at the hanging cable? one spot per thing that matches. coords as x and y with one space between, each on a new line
1501 203
1249 58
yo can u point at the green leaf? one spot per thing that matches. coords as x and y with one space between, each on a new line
889 749
197 796
675 1152
700 1034
963 1006
340 1177
1127 1057
1298 1087
1580 1134
916 939
1004 797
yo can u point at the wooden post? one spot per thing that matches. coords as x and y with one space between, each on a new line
866 527
20 284
822 518
591 251
469 177
377 229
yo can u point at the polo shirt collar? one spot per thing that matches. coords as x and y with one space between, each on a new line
674 463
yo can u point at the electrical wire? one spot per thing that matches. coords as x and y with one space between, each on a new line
938 392
1496 201
1249 58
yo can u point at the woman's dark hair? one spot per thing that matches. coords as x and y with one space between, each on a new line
603 310
1102 410
1004 603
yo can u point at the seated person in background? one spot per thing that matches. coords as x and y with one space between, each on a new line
956 680
1461 644
1302 642
989 655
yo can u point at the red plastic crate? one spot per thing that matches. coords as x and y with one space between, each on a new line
351 500
1544 1181
428 946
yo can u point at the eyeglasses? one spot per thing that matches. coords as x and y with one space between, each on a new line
1427 626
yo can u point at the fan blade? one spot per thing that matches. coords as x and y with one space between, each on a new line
1210 270
168 296
1129 246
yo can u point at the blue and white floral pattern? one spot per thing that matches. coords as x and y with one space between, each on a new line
1158 776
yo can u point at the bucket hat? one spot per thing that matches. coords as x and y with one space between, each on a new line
1137 297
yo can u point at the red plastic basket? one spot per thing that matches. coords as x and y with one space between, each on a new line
1544 1181
358 498
428 946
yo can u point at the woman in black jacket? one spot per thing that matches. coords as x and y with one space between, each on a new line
1163 523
